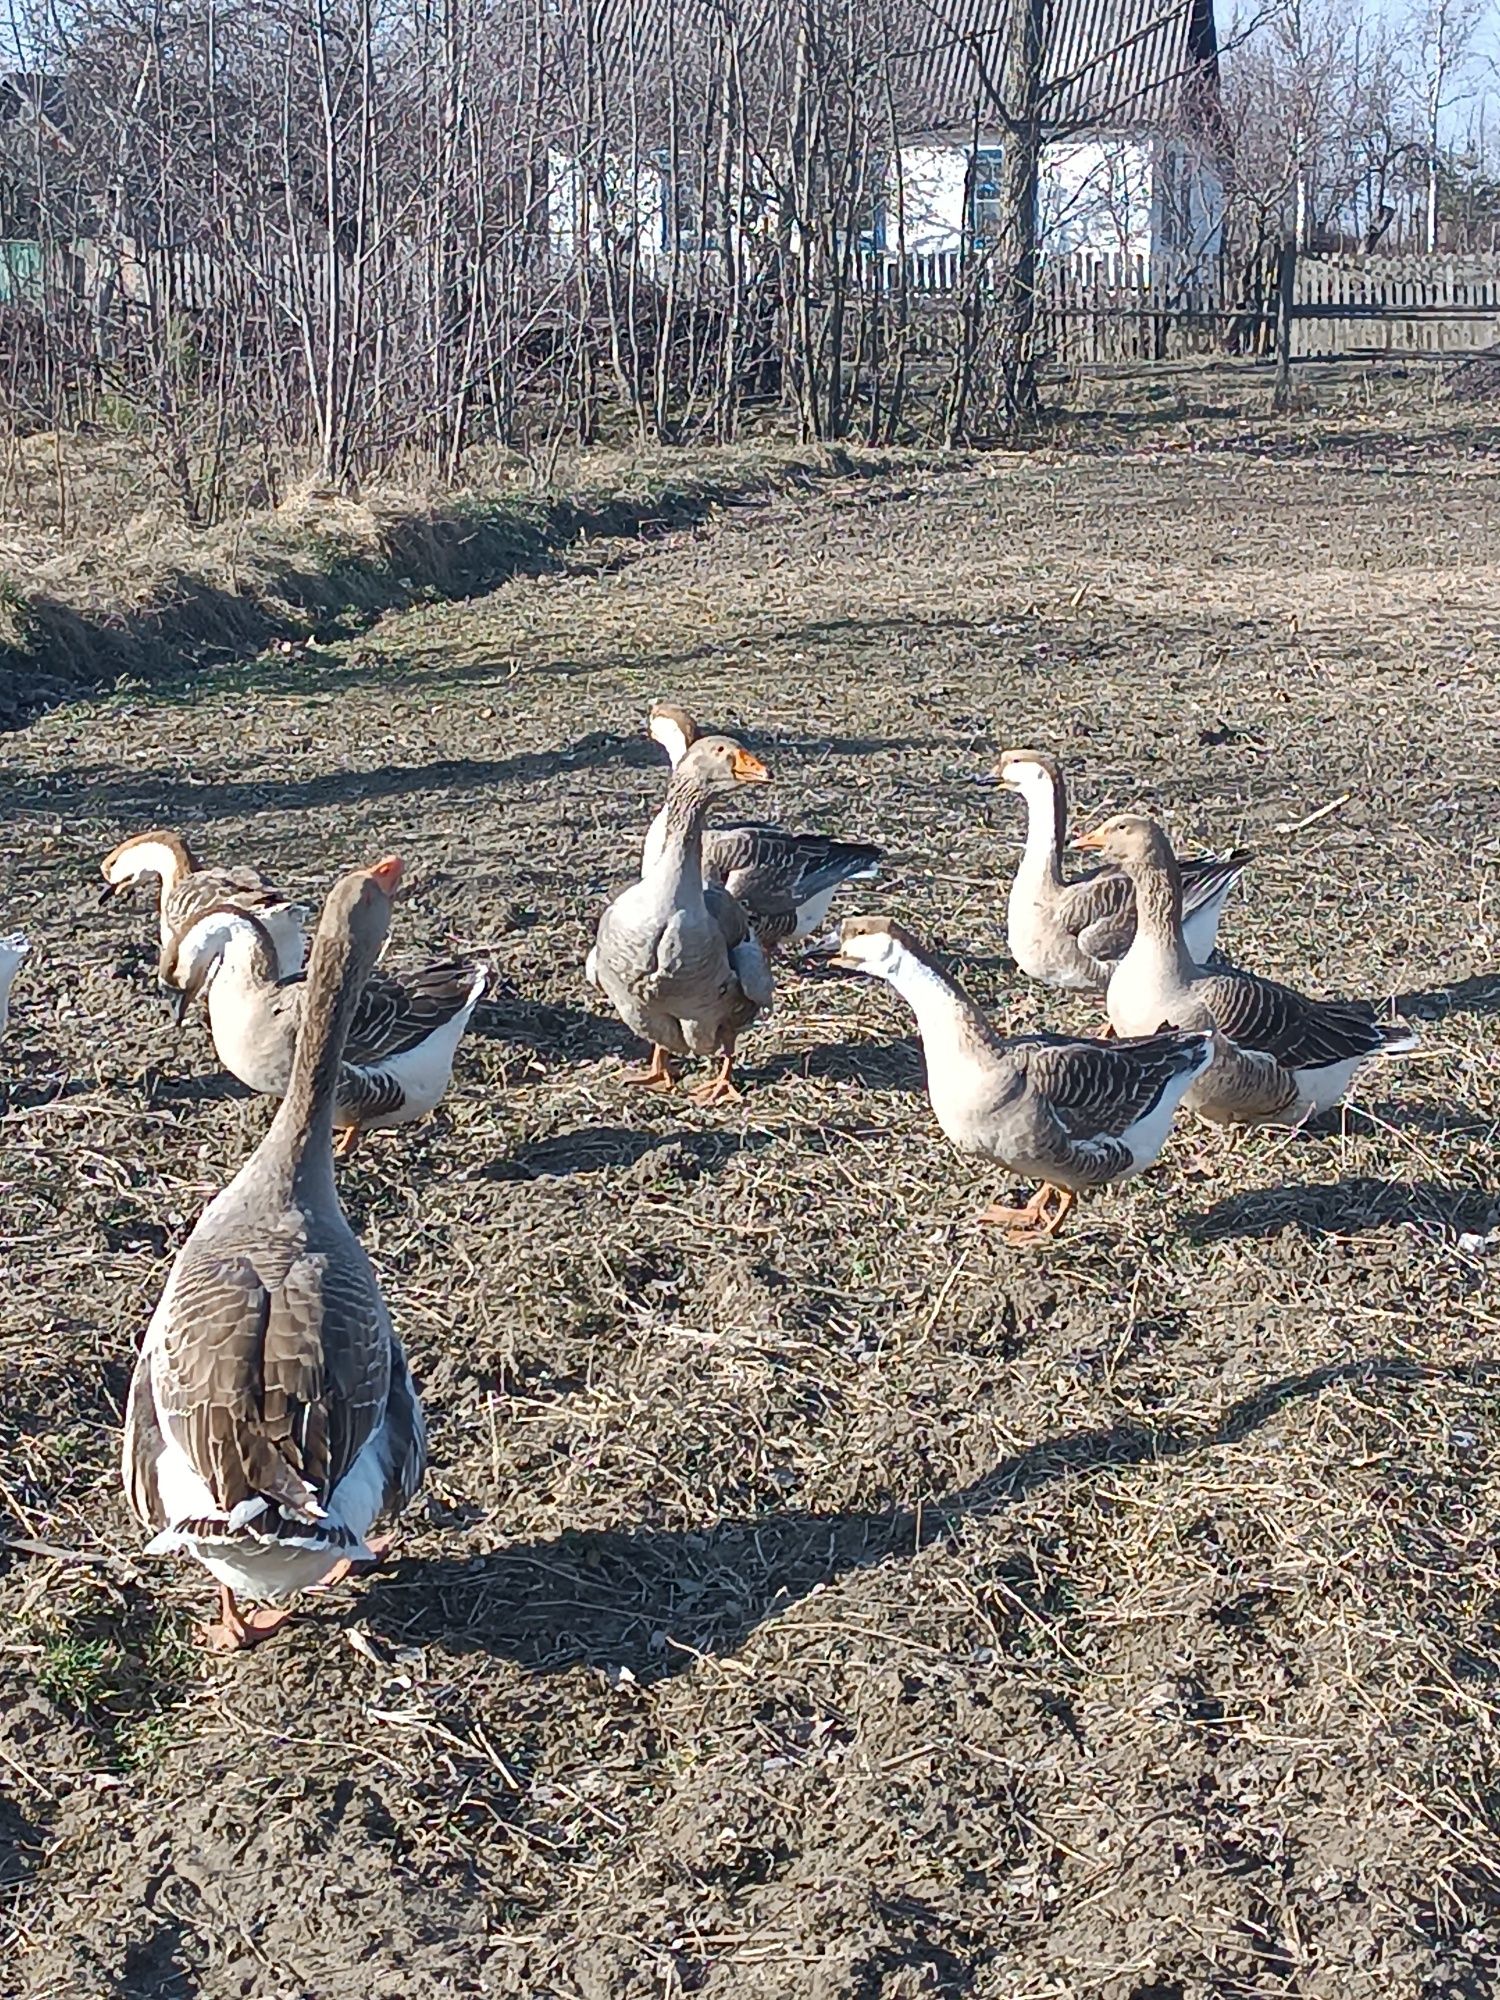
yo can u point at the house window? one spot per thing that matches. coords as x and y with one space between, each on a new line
679 210
985 199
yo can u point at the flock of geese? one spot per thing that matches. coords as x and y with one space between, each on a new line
272 1421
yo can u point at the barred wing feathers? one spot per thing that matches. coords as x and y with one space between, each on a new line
272 1367
1100 1089
1298 1033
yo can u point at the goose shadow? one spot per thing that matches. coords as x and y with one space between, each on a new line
1349 1207
598 1149
39 1093
1412 1115
1477 995
218 1087
573 1034
652 1601
163 798
894 1064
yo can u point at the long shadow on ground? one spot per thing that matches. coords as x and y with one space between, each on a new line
893 1064
594 1149
167 798
1345 1208
654 1600
1479 995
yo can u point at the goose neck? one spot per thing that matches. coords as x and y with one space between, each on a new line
1157 882
945 1013
1046 828
682 822
301 1135
166 858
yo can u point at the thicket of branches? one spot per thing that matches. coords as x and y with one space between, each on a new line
365 232
368 229
1359 127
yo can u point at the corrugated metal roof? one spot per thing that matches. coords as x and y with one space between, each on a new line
1111 65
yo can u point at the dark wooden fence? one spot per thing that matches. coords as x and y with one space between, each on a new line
1095 310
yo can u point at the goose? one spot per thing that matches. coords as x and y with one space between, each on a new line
1279 1057
13 951
403 1034
785 882
188 889
677 957
271 1419
1069 1112
1071 935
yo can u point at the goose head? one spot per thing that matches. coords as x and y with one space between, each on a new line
716 765
673 728
223 936
874 945
1033 773
161 852
359 907
1130 840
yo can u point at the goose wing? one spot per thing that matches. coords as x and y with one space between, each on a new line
398 1011
1098 909
771 872
1295 1031
271 1365
1208 877
141 1447
1098 1089
206 888
743 942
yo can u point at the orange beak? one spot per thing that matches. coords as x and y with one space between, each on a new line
749 770
1089 842
386 875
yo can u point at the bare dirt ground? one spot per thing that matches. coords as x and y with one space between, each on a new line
812 1598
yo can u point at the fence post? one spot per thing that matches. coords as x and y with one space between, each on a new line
1286 286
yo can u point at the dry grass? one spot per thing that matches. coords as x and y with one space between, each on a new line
143 597
812 1599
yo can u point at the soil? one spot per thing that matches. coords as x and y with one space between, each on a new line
812 1597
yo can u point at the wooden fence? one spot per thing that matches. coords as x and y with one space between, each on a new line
1114 309
1393 305
1097 310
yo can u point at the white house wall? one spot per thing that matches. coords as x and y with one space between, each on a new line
933 188
1095 194
636 208
1158 200
1187 209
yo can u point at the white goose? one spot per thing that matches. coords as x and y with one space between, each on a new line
1068 1112
13 952
1280 1058
1071 935
271 1420
403 1035
785 882
187 889
676 955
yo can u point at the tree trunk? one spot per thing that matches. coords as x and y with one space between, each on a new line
1015 264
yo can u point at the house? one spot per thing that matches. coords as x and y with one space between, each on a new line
1133 151
1133 154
